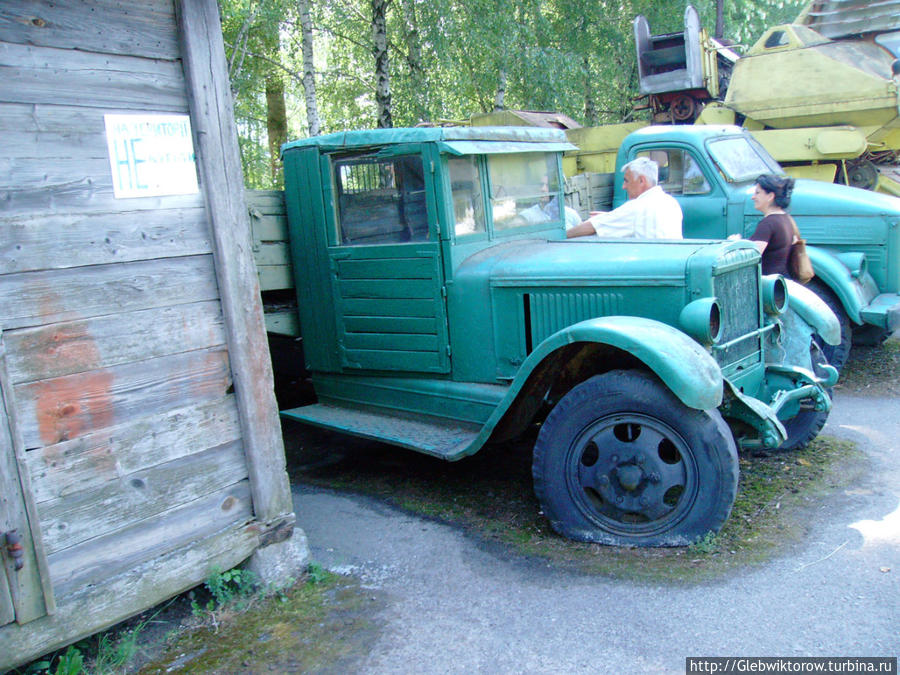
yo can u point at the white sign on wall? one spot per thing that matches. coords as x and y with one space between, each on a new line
151 155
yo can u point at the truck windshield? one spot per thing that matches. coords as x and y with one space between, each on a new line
742 158
524 189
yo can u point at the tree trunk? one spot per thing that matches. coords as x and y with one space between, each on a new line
590 104
501 91
720 19
309 79
414 60
382 71
276 124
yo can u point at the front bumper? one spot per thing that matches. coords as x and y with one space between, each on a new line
883 311
793 385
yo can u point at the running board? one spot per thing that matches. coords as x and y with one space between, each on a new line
437 436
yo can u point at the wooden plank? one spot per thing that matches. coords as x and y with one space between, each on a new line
218 157
52 120
7 611
111 507
270 229
275 277
30 588
108 454
71 406
107 26
272 253
40 74
29 173
45 352
94 561
74 240
266 201
93 608
283 323
54 296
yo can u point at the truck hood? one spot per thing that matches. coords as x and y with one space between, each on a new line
582 261
817 198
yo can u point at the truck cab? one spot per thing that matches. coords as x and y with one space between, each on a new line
443 309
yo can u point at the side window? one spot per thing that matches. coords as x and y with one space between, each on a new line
679 172
468 201
380 200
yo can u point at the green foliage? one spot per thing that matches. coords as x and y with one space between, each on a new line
70 663
708 543
233 587
448 59
316 574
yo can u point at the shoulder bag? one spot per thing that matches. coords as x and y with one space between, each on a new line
799 264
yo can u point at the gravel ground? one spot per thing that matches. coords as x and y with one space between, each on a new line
458 606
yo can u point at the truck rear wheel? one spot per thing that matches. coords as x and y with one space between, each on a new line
620 460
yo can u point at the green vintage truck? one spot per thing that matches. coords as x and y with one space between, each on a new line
442 309
710 170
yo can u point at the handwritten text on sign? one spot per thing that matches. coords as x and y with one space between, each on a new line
151 155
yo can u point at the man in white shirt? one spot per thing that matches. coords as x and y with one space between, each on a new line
649 213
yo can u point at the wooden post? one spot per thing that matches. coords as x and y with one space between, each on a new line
222 182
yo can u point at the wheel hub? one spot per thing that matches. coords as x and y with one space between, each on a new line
629 476
631 471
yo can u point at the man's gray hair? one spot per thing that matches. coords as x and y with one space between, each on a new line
644 166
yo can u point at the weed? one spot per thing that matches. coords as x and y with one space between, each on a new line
233 588
316 574
70 663
114 654
708 543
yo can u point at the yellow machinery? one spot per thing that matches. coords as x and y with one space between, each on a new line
821 94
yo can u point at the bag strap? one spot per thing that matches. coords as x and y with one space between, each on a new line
797 236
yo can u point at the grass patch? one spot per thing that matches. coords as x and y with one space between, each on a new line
323 623
490 496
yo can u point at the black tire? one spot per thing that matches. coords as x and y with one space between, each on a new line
803 428
620 460
836 354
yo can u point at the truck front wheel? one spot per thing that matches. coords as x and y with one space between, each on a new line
620 460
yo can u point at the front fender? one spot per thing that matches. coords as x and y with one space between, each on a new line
689 371
681 363
814 311
854 293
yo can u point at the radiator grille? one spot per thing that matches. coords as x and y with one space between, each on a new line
738 294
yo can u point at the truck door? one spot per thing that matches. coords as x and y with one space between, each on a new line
702 201
385 262
25 591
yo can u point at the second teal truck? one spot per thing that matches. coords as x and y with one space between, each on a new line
853 234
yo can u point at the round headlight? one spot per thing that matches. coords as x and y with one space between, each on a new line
774 294
702 320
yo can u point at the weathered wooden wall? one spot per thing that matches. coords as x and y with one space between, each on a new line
129 434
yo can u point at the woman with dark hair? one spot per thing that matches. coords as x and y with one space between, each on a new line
775 233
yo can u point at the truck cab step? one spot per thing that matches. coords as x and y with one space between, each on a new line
440 437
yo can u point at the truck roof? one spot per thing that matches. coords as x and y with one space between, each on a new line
514 139
675 132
